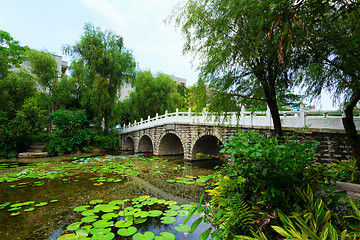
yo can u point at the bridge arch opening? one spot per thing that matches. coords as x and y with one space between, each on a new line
170 144
206 147
145 145
129 144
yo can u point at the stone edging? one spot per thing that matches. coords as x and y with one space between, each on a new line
353 190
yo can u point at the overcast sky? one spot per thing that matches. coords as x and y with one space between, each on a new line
49 24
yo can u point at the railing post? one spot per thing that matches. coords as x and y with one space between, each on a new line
204 114
177 112
149 118
166 113
157 116
141 120
189 112
242 115
302 116
268 115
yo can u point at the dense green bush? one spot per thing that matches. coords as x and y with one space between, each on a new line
270 167
109 142
21 117
71 132
261 177
270 179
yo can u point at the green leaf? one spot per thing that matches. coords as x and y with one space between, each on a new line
125 232
145 236
195 224
74 226
190 214
205 234
165 236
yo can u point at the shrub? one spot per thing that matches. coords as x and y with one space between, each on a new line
71 134
109 142
270 167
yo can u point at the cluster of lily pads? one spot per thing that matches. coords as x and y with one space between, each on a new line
28 206
201 180
124 218
30 173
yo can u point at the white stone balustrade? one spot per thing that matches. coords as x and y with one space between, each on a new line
311 119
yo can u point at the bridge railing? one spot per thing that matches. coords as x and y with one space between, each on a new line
312 119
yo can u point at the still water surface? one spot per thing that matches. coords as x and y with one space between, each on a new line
64 185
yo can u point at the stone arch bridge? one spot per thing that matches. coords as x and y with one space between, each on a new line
200 135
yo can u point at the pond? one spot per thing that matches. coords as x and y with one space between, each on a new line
104 197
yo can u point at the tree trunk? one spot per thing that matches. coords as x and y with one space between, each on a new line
270 96
350 128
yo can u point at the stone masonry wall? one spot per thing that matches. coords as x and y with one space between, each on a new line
334 146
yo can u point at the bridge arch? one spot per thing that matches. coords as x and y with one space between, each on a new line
170 144
129 144
145 144
206 147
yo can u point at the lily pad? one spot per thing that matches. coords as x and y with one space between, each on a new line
170 180
183 213
168 220
89 219
116 202
96 201
123 223
107 236
88 213
174 207
170 213
125 232
74 226
80 208
155 213
82 232
15 205
139 220
70 236
109 216
105 208
15 214
29 209
182 228
141 214
145 236
96 231
170 203
41 204
102 224
186 206
14 209
165 236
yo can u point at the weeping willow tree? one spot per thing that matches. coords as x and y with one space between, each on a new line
331 59
101 64
245 47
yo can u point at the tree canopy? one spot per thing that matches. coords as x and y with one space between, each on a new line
101 65
151 95
245 47
11 53
331 59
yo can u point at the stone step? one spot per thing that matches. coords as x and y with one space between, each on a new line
33 155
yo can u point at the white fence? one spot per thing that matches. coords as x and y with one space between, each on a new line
311 119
